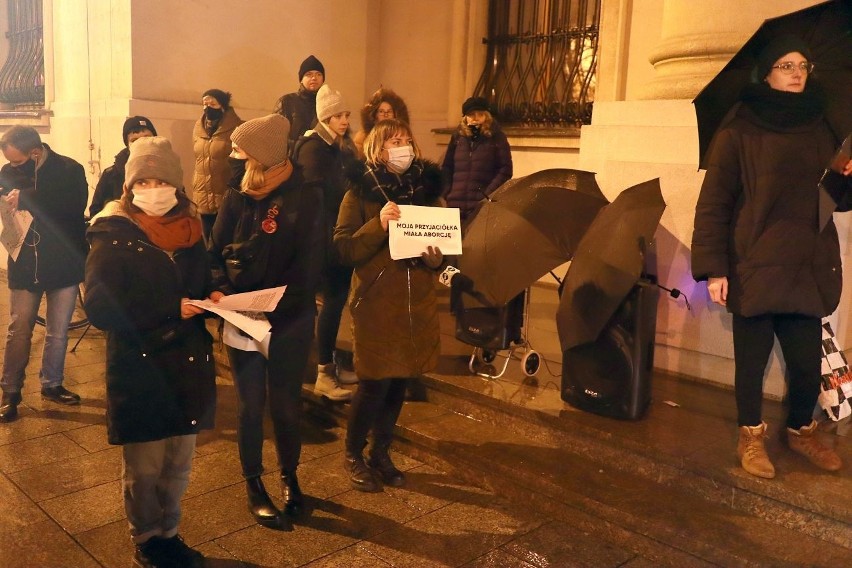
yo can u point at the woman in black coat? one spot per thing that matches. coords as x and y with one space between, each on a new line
478 158
273 210
758 242
147 260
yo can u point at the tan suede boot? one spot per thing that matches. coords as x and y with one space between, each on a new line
804 441
752 451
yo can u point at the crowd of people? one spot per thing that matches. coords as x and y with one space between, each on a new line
293 199
288 199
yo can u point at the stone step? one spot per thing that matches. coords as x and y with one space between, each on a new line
690 447
668 525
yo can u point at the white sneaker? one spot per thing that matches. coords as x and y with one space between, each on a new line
327 384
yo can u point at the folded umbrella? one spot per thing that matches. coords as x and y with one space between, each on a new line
608 262
526 228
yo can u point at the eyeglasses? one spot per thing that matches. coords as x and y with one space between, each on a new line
788 66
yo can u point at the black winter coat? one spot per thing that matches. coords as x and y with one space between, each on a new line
160 369
300 108
56 197
324 166
756 220
298 251
475 168
111 183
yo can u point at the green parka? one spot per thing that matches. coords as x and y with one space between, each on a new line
392 302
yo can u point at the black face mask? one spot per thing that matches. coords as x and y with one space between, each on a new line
27 168
238 170
213 113
474 129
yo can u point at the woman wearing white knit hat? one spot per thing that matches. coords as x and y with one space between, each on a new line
324 154
269 234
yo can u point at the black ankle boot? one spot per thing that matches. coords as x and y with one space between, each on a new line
381 463
359 474
294 501
262 508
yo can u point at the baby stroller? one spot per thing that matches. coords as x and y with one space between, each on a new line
492 330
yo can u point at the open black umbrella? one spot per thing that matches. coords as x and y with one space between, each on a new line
608 262
526 228
826 28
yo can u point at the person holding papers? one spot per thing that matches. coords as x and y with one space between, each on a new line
147 261
280 220
392 302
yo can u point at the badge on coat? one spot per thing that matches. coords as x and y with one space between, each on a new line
270 225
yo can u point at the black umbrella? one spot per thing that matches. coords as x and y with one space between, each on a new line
826 28
608 263
526 228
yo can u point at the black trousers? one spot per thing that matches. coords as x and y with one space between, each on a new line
800 338
375 406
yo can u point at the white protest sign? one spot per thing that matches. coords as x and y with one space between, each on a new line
420 227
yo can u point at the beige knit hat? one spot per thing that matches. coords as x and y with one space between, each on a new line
152 157
264 138
329 103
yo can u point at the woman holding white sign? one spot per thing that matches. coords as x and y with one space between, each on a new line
393 303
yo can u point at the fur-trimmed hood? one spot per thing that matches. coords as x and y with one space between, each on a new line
368 111
419 185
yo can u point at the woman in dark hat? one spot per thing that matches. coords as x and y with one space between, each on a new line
111 183
212 146
478 158
758 243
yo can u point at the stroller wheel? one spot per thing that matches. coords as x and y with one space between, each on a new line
487 355
530 363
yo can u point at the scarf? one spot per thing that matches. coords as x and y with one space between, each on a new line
169 233
784 109
273 177
402 189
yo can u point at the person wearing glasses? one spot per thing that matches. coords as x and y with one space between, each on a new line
383 105
300 108
758 243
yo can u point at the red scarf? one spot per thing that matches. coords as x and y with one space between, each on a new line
169 233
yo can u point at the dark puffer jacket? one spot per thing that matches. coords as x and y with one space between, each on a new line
300 108
111 183
756 221
393 302
297 248
160 369
54 253
475 168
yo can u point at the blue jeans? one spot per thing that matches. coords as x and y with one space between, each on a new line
280 377
155 476
24 308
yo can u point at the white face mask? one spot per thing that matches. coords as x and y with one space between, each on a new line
155 201
399 159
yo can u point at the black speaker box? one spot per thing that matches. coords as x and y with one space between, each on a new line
612 375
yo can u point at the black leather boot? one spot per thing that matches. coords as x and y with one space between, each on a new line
262 508
381 463
294 501
9 406
360 476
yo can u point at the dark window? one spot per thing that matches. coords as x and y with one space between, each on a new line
22 75
541 60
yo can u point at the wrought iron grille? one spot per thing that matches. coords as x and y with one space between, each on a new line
541 60
22 76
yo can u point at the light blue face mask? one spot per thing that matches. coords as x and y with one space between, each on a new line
400 159
155 201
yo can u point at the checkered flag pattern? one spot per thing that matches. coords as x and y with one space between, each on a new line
835 389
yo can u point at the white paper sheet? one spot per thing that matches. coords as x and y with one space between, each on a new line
419 227
16 223
245 311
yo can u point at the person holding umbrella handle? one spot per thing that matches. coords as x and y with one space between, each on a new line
759 243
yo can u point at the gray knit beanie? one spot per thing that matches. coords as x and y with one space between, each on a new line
329 103
152 157
264 138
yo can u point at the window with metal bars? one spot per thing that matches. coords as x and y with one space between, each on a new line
541 60
22 75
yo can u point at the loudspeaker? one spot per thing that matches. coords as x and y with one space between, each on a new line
612 375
